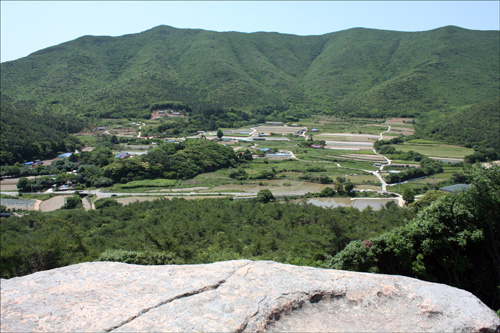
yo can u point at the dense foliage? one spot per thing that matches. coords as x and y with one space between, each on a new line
172 160
26 135
455 240
185 231
476 126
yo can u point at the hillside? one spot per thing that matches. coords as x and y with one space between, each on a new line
356 71
437 75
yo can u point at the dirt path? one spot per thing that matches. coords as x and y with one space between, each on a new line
37 204
86 204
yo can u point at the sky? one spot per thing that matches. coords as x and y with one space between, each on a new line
29 26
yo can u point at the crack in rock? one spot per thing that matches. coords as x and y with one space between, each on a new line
292 305
247 319
188 294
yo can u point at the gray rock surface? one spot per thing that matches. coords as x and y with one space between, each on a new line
233 296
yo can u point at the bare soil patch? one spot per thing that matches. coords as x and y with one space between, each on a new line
396 121
129 200
360 157
277 129
53 203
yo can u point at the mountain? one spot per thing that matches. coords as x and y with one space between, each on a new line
433 75
356 71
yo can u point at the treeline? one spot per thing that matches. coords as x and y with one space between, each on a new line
455 241
186 231
28 135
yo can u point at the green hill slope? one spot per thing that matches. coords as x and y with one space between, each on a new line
355 71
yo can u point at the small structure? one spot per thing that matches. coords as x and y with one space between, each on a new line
65 155
455 188
316 145
265 149
122 155
315 130
63 188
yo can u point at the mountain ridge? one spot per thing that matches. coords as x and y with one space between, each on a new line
247 70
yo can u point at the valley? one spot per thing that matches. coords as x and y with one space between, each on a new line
295 166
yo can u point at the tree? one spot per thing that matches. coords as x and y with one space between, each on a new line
220 134
265 196
24 184
73 202
349 187
408 196
327 192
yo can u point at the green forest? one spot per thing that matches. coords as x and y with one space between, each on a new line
451 238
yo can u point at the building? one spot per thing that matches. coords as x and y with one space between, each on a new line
122 154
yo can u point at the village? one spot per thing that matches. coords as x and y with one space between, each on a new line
332 146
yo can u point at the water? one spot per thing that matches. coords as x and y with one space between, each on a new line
359 203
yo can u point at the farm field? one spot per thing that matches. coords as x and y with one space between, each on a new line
289 167
435 149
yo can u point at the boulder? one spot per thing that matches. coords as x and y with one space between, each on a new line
235 296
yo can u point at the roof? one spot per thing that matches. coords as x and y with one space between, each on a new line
455 188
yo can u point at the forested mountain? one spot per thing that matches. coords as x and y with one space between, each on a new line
26 135
356 71
437 75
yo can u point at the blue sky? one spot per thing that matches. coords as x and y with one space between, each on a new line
28 26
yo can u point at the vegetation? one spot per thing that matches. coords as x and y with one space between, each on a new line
220 80
455 240
27 136
100 169
185 231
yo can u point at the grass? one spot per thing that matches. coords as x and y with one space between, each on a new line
29 196
436 149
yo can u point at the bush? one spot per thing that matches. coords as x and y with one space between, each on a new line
106 202
265 196
140 258
73 202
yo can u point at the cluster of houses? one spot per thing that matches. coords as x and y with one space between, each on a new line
165 113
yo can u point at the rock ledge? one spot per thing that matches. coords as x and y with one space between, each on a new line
235 296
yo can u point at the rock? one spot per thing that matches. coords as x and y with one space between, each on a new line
233 296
